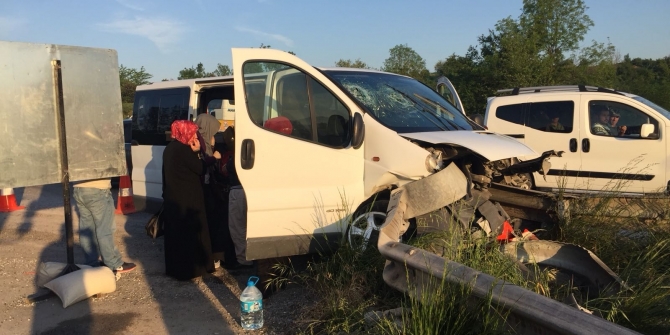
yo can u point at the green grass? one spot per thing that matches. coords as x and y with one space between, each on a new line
348 283
638 250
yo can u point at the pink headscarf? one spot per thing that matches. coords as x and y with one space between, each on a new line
184 130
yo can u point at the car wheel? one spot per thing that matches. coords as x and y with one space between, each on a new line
363 232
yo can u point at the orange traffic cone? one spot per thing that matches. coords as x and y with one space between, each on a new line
125 204
8 201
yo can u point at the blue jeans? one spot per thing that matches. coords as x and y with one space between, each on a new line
97 226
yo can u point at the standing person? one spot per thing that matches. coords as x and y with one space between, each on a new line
188 250
237 212
96 225
214 204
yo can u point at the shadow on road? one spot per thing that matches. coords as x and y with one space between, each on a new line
197 306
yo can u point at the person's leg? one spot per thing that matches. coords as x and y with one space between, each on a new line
237 221
101 205
86 228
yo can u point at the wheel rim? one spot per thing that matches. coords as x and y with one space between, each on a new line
361 229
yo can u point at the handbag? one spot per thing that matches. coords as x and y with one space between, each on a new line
154 227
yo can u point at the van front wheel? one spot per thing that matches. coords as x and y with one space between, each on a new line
363 232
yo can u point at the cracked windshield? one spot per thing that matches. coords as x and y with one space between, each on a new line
402 104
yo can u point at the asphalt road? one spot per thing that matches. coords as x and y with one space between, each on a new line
145 301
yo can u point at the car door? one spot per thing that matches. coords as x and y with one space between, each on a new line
447 90
292 153
622 163
551 123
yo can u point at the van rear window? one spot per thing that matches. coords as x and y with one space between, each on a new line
511 113
155 110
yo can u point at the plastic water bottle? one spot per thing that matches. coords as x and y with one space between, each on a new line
251 303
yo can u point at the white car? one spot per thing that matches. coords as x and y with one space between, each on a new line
314 145
586 123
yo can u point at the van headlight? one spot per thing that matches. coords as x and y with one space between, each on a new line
434 161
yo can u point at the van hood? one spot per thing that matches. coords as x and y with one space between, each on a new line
490 145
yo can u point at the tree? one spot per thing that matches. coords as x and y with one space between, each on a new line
353 64
556 26
129 79
404 60
222 70
533 50
194 72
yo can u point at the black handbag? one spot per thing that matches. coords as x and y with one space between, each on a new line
154 227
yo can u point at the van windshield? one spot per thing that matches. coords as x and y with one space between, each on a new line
401 103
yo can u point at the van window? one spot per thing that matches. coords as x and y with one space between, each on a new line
607 119
332 118
553 116
155 110
511 113
287 101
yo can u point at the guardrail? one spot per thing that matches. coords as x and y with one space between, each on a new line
409 269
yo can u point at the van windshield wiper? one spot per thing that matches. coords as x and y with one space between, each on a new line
421 108
440 107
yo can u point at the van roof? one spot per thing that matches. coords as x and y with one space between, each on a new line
560 89
191 82
182 83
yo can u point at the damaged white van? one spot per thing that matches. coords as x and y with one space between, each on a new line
349 136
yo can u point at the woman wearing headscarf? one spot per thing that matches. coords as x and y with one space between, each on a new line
216 195
188 251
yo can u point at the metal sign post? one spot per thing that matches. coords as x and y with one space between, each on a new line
65 174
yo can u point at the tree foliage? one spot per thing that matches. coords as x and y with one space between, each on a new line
539 48
192 72
358 63
404 60
129 79
222 70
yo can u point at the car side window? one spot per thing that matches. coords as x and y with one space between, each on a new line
332 118
511 113
608 118
552 116
285 100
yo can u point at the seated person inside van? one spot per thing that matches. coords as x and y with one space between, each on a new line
602 124
614 129
554 125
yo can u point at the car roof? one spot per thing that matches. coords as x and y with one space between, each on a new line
549 90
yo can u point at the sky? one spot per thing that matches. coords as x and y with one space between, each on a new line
165 36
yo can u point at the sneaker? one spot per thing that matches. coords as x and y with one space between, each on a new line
125 267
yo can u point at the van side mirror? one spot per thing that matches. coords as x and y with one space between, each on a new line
358 131
646 130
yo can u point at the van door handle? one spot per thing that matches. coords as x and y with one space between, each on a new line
586 145
248 154
573 145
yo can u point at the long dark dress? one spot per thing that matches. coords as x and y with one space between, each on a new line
188 251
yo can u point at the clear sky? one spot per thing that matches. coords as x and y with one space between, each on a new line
166 36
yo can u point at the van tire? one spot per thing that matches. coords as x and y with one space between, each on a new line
375 213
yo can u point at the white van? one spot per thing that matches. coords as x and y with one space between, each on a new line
596 156
352 135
